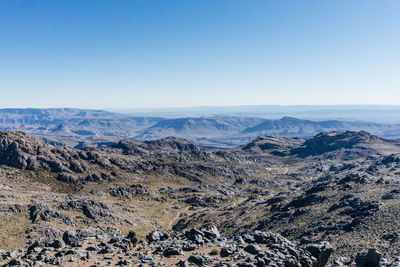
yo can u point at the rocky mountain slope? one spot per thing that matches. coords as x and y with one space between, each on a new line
170 202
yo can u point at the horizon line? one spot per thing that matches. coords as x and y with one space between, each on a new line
206 106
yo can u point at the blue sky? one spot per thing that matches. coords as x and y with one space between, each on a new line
146 54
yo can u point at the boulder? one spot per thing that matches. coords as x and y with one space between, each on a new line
157 235
253 249
211 232
371 258
172 252
321 251
132 237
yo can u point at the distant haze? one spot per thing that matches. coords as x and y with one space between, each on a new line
369 113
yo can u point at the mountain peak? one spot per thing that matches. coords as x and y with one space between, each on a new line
289 119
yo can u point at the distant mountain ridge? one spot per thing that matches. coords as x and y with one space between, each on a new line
74 126
79 127
203 126
293 127
369 113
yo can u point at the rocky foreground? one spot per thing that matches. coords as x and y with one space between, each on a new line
169 202
204 247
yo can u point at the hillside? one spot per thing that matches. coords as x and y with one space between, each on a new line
199 206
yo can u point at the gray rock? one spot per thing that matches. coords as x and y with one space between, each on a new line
226 252
371 258
132 237
211 232
253 249
200 259
157 235
72 239
321 252
172 252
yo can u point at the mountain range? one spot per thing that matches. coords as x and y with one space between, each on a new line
78 127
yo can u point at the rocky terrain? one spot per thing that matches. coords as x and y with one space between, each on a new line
330 200
81 127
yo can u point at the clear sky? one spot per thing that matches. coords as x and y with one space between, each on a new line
167 53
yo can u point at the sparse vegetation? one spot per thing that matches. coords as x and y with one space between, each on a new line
331 195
